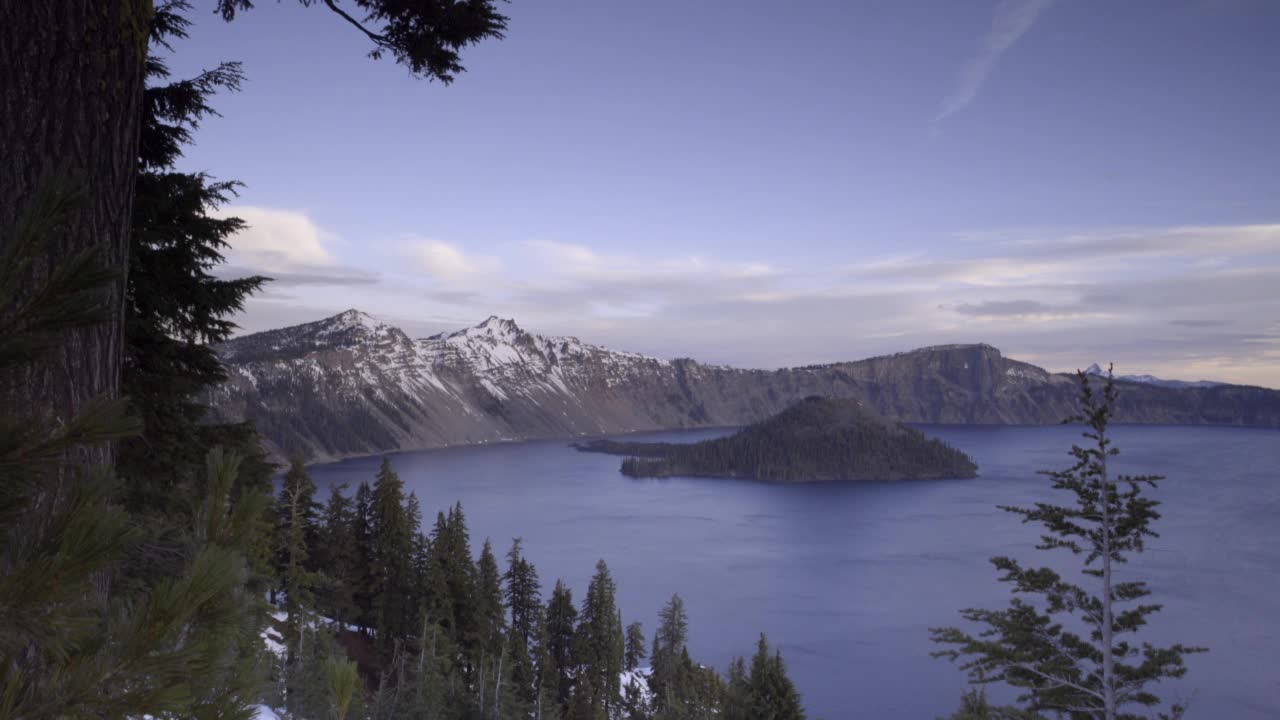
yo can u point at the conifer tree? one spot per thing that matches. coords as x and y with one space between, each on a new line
770 693
175 307
296 509
1034 646
600 648
562 620
668 648
72 642
362 532
635 652
391 544
337 556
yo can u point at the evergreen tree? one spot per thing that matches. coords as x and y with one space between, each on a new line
600 651
337 556
1033 647
391 543
362 532
770 693
546 704
72 642
491 639
635 652
668 648
175 307
296 513
523 595
562 619
974 706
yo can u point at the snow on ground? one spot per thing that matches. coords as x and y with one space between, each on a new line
262 712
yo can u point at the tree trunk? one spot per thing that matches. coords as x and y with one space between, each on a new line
70 110
1108 630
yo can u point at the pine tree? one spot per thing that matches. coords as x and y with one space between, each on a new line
296 513
337 556
665 682
175 306
770 693
1033 647
562 620
72 642
600 651
391 542
523 595
635 652
362 531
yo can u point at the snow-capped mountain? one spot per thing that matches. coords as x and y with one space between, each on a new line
1095 369
352 385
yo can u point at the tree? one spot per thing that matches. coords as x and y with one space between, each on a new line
391 543
600 639
297 521
635 652
770 693
562 618
362 531
74 76
668 649
72 642
337 556
175 308
1034 646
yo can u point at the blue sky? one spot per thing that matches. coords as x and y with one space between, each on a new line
765 184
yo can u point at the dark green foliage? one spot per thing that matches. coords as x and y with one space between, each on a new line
1033 645
634 652
598 644
816 439
336 555
425 36
175 307
562 619
766 693
77 636
391 554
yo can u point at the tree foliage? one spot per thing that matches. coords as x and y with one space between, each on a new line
1063 644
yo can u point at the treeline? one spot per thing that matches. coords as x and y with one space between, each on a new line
439 634
815 439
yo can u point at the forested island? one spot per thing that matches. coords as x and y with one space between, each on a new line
817 439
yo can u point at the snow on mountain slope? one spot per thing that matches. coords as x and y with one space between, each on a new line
354 385
1095 369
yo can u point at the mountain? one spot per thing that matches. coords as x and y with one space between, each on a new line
353 385
817 439
1094 369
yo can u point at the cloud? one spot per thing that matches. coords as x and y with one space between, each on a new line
1011 20
1008 307
278 240
448 263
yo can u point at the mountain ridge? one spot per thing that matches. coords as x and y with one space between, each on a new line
354 385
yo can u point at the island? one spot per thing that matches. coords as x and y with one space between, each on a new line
817 439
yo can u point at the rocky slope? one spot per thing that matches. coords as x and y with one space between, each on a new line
351 385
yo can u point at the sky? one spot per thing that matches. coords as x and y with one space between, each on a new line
767 184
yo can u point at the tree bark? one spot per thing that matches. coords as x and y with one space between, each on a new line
70 111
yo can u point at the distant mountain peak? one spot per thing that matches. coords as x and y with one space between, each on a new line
1093 370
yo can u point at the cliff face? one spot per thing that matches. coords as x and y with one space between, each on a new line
351 385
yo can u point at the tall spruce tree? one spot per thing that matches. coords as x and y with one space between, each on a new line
600 651
175 307
770 693
1038 647
362 531
391 542
562 621
635 652
297 522
337 556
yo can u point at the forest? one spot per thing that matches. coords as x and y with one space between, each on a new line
435 633
816 439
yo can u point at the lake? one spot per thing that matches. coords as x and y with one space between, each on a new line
847 577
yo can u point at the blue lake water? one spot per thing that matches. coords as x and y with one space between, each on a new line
847 577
